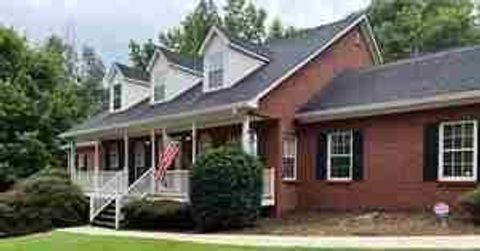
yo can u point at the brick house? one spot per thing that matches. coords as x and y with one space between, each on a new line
337 128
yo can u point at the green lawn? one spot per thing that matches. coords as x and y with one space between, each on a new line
58 241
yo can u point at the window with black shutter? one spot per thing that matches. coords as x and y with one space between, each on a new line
340 155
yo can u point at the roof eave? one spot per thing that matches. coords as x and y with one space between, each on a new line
390 107
158 119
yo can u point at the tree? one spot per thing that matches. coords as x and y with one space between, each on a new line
276 29
91 93
245 21
411 27
37 103
242 20
189 36
140 54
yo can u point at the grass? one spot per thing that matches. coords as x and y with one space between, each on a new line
59 241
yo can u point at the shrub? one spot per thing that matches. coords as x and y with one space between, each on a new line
146 214
225 189
41 203
470 203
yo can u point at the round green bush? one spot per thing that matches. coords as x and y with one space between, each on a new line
225 189
40 203
149 214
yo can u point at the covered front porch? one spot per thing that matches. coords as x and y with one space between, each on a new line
119 164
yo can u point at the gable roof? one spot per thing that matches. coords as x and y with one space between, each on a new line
285 55
132 72
189 62
444 73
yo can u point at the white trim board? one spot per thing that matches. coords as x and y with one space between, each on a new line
390 107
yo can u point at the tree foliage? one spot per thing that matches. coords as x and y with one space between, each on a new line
243 20
90 91
188 37
140 54
37 103
411 27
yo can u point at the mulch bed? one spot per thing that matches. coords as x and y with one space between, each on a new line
362 224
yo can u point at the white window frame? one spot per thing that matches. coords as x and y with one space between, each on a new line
441 151
287 140
330 155
214 66
160 81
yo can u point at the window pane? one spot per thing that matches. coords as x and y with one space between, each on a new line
288 167
215 70
159 92
340 167
117 96
458 150
289 157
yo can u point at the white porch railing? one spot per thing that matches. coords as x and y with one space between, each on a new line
106 187
175 185
86 179
107 193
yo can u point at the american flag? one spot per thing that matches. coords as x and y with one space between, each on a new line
166 160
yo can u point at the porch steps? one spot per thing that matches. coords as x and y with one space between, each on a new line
106 218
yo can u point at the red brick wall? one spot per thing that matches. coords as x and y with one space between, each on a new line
393 164
281 104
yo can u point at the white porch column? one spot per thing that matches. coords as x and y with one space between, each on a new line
164 138
72 159
125 159
246 135
153 158
96 160
194 142
96 164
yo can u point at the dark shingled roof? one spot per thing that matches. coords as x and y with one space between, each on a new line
284 54
133 73
435 74
259 49
193 63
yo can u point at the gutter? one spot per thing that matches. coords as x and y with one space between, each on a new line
391 107
159 119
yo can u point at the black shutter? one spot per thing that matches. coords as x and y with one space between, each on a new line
321 164
357 155
430 152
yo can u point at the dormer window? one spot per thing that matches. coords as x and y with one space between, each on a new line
215 70
117 96
159 90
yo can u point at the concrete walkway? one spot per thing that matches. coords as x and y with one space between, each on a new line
397 242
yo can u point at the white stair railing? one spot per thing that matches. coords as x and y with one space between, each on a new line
141 186
107 193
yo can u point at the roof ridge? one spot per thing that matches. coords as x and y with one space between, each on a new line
416 59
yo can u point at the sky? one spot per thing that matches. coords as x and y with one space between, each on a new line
108 25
